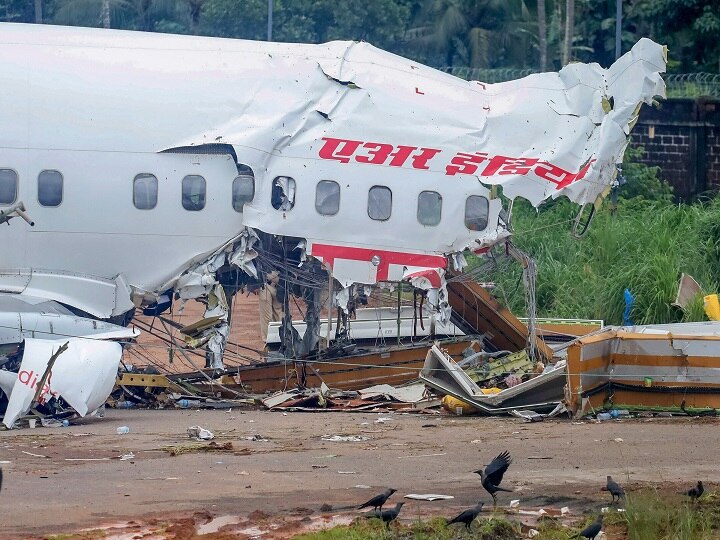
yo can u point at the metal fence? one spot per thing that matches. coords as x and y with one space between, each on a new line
679 85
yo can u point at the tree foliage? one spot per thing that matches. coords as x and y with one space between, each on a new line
475 33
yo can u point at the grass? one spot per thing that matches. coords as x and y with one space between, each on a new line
652 516
642 243
434 529
643 246
649 515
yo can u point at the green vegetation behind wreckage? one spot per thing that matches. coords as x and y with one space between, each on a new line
643 243
649 514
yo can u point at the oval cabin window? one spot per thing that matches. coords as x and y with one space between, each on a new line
8 186
379 203
50 188
145 191
193 193
327 197
477 209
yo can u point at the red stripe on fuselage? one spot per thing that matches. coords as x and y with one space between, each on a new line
329 253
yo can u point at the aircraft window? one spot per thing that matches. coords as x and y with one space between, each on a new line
429 207
145 191
476 213
379 203
193 192
243 191
8 186
327 197
50 188
283 193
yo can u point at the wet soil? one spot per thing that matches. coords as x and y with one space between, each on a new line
277 472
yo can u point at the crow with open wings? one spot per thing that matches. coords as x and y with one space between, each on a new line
493 474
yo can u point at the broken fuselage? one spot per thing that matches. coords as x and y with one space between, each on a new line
152 163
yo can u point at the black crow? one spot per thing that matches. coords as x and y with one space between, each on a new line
378 500
389 515
615 490
592 530
694 493
493 474
467 516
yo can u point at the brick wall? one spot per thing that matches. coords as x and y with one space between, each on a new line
682 137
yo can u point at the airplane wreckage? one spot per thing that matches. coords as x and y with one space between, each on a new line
141 170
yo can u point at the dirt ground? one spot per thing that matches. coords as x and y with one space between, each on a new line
279 472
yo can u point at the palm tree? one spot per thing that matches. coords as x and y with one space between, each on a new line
195 11
136 14
105 14
569 30
475 33
542 34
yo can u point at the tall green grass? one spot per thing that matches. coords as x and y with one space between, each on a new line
642 245
650 516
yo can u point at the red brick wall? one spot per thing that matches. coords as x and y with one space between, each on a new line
682 137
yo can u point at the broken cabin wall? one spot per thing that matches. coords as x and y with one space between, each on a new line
650 371
682 137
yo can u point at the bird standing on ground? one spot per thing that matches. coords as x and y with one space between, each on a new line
615 490
696 492
592 530
378 500
467 516
493 474
390 515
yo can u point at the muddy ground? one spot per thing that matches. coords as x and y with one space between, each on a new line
278 472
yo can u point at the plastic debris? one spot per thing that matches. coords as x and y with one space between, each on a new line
345 438
200 433
515 503
527 416
122 430
428 497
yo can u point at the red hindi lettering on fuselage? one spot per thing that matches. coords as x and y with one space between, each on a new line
482 163
375 153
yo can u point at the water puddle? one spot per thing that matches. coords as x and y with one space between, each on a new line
214 524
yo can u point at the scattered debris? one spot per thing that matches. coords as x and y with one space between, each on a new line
200 433
345 438
428 497
422 455
83 379
543 391
620 364
203 447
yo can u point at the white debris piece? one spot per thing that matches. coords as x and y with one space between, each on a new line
200 433
345 438
428 497
83 375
